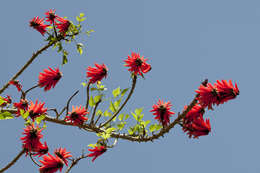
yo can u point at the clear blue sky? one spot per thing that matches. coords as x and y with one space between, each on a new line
185 41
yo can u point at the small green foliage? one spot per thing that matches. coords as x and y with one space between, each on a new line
145 123
121 125
40 118
127 116
81 17
138 111
112 107
89 32
92 145
64 57
28 122
116 92
155 127
137 115
91 101
79 48
44 125
117 103
124 91
83 84
110 130
24 114
2 100
5 116
120 117
97 98
107 113
99 112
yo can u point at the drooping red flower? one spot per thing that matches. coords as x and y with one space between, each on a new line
22 105
137 64
51 16
51 164
31 140
76 116
195 112
198 127
16 84
162 112
63 25
49 78
7 100
226 91
208 95
38 24
36 110
41 150
63 155
97 73
97 151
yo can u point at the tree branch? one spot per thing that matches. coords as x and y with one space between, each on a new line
13 161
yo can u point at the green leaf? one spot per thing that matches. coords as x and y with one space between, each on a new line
127 116
40 118
91 101
44 125
146 122
83 84
130 131
5 116
78 18
107 113
138 111
2 100
135 116
110 130
120 117
93 89
89 32
112 107
99 112
158 127
97 98
116 92
124 91
121 125
24 115
92 145
152 127
65 57
117 103
81 14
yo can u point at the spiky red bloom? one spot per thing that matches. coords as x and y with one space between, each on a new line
63 25
7 100
226 91
97 73
97 151
63 155
198 127
36 110
162 112
49 78
77 115
22 105
195 112
16 84
137 64
51 164
208 95
51 16
41 150
38 24
31 140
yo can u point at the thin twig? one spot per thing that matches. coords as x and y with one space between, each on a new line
34 160
87 102
56 112
68 103
74 162
24 93
94 112
13 161
121 107
97 119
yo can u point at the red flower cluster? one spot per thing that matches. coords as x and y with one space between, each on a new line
49 78
97 151
77 116
22 105
31 140
137 64
216 94
162 112
36 110
59 22
97 73
16 84
52 163
194 124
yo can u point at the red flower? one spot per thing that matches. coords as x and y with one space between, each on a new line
6 101
41 150
51 16
97 151
63 26
137 65
97 73
31 140
208 95
49 78
51 164
63 155
77 115
36 110
38 24
194 113
16 84
162 112
226 91
22 105
198 127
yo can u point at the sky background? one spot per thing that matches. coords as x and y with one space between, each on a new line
185 41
